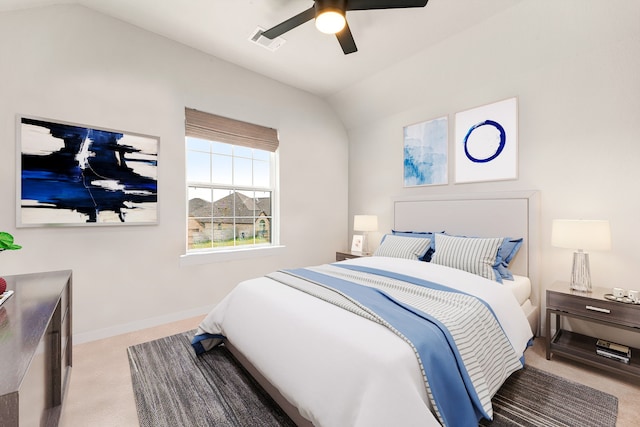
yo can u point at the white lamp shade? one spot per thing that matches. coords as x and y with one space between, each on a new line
365 223
581 234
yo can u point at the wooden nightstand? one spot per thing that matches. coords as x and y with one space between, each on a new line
590 307
341 256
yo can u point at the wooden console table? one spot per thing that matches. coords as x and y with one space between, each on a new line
35 348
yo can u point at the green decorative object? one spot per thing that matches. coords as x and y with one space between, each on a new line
6 242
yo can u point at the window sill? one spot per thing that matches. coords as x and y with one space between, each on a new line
199 258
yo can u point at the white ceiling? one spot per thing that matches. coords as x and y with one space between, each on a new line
308 60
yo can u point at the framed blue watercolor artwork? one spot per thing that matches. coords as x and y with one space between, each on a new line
486 143
426 153
70 175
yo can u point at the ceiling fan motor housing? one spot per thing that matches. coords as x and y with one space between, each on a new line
338 6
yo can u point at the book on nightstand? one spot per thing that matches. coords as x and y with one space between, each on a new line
614 351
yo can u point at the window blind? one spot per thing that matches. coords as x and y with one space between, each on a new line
199 124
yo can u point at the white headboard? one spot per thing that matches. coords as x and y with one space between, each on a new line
507 214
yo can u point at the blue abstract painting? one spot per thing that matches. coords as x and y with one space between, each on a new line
486 146
76 175
426 153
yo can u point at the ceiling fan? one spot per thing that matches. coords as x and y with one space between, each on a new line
330 16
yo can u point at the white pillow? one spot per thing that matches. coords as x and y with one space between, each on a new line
473 254
403 247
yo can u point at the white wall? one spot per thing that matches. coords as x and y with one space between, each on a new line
71 64
574 66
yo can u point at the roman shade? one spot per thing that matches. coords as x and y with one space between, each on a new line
199 124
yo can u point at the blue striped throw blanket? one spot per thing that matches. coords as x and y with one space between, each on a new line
461 348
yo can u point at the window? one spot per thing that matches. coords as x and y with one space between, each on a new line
231 176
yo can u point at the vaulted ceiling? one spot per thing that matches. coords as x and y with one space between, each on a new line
308 59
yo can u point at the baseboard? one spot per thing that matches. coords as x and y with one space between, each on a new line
99 334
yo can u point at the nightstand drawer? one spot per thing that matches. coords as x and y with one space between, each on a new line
607 311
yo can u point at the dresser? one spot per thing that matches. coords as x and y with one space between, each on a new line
35 348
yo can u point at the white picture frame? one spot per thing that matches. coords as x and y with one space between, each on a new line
357 243
486 143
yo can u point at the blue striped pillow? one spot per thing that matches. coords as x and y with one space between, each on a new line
473 254
403 247
423 235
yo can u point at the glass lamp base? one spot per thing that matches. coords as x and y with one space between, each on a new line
580 274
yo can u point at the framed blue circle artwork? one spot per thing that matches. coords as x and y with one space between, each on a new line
490 143
486 142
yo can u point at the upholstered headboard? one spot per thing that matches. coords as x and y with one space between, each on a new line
507 214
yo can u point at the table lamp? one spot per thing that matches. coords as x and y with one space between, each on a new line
580 235
365 223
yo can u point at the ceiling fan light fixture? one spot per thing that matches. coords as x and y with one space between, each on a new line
331 18
330 21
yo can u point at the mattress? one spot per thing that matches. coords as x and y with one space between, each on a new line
520 287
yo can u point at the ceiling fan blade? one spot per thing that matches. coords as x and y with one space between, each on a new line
383 4
345 38
290 23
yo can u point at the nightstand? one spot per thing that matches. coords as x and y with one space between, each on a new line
341 256
590 307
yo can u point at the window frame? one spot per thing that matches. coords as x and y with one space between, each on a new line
235 251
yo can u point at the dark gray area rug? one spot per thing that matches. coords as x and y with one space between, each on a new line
174 387
531 397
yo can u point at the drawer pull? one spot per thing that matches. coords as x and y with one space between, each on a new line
601 310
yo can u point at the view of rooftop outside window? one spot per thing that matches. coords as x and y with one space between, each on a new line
230 195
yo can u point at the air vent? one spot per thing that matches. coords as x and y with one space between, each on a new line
259 39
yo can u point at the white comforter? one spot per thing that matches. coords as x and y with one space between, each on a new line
337 368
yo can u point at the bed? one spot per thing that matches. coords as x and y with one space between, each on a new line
330 358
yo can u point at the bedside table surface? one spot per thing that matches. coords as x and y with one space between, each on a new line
596 293
592 304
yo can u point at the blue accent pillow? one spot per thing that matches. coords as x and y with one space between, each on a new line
506 252
423 234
